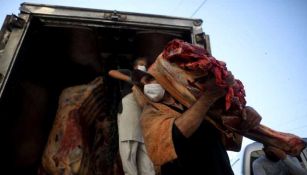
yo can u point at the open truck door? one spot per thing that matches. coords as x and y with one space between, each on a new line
47 48
11 38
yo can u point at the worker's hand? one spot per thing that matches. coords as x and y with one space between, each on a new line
210 96
210 83
250 118
273 151
212 91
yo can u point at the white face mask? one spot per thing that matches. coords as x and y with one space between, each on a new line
142 68
154 92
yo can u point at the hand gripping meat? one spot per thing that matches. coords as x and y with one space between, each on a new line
182 69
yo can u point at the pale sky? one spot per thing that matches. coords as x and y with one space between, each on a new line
263 43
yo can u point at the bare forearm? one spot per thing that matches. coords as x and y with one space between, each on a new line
118 75
190 120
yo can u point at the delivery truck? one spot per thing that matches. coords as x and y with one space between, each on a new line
47 48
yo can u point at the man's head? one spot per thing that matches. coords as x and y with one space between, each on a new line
140 78
273 154
140 63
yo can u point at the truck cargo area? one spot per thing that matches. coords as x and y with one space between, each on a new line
53 57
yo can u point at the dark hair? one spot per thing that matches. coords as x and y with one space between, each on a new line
137 75
135 62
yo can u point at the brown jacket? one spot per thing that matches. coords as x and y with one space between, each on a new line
157 121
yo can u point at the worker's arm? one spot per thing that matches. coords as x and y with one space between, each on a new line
191 119
119 75
250 118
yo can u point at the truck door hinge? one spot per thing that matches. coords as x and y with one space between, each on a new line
15 22
11 21
203 40
115 16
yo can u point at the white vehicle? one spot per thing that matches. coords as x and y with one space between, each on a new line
242 164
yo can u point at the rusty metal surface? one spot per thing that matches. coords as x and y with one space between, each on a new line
107 15
8 54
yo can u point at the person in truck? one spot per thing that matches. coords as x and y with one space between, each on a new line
277 162
178 139
132 150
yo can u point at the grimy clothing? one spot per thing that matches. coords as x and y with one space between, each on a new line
288 166
132 150
129 127
202 153
125 88
134 158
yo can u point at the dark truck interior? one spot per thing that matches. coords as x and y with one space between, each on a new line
54 57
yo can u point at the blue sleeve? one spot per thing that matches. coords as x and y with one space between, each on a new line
258 168
294 166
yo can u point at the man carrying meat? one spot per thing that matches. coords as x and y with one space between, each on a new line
194 110
179 139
